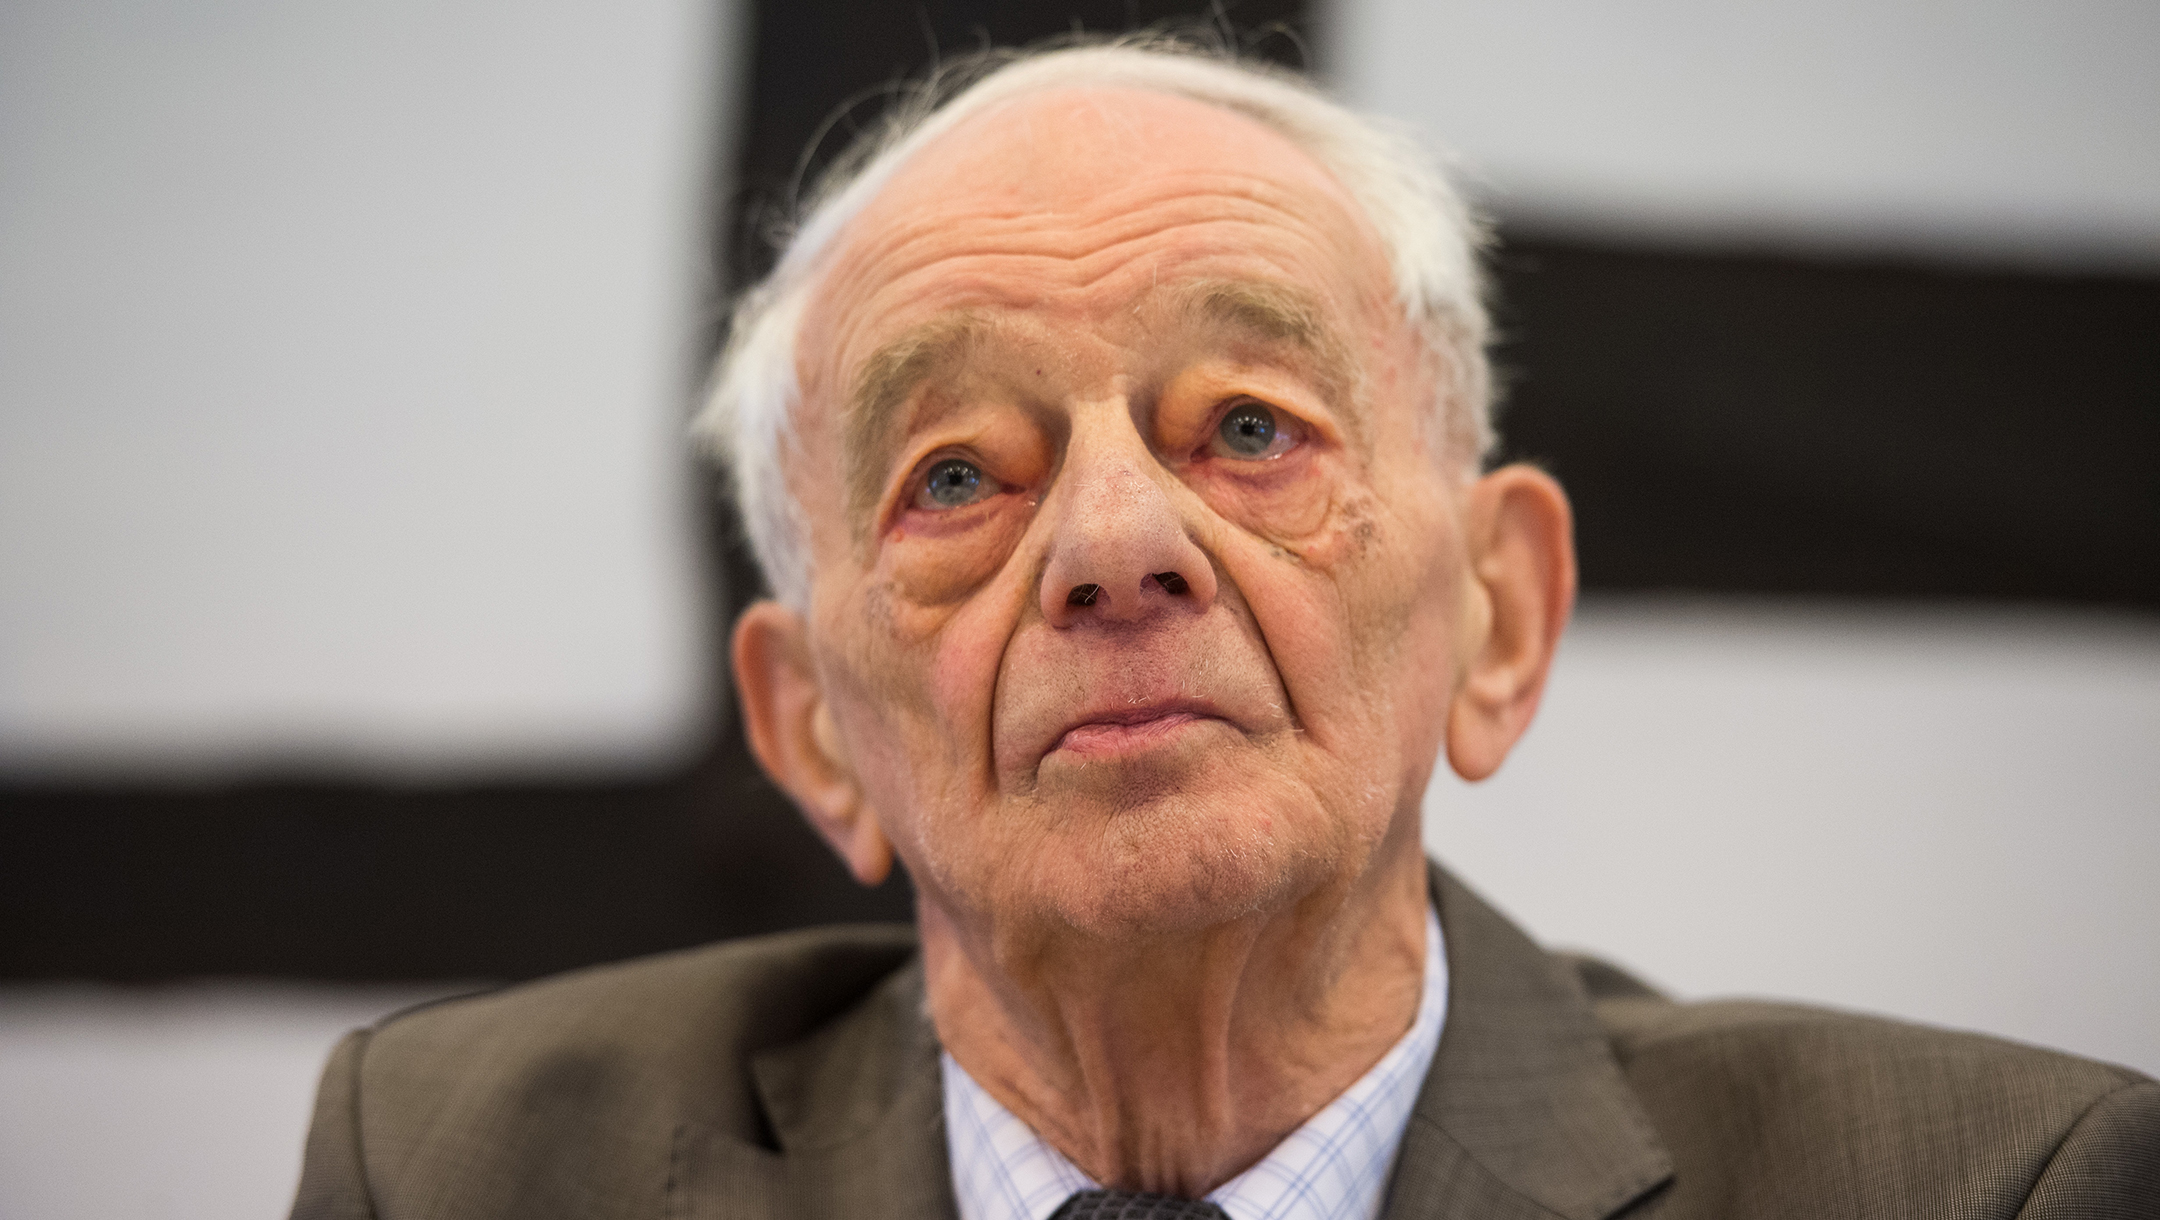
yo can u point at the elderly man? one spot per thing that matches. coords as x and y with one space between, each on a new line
1111 435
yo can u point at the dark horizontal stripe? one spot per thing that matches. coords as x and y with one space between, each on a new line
350 881
1747 423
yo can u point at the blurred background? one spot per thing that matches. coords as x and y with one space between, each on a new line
361 615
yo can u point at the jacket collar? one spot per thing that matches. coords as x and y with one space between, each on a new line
858 1112
1525 1112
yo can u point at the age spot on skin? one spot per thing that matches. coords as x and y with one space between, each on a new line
1350 535
878 607
1364 531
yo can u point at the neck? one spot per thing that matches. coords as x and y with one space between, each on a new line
1172 1063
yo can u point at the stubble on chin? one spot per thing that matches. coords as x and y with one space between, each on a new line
1170 860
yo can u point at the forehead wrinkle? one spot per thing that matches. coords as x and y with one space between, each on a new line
888 378
914 275
1024 232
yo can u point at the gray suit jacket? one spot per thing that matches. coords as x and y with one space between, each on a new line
796 1076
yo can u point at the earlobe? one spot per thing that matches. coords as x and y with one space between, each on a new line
1520 536
792 732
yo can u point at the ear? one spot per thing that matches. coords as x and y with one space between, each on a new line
791 731
1521 540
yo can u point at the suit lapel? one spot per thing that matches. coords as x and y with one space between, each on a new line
1525 1112
858 1111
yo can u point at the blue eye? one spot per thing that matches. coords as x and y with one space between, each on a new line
1248 431
951 483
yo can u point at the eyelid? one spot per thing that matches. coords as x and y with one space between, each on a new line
997 435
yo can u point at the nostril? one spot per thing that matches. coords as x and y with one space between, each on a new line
1083 595
1171 582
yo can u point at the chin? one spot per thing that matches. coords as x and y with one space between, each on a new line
1177 861
1158 843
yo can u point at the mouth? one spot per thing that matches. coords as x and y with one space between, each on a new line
1114 731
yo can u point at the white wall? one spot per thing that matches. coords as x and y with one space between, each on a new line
2003 130
166 1104
1945 814
344 353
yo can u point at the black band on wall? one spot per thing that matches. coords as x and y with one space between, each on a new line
1757 424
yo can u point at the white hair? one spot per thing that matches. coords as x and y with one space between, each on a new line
1431 238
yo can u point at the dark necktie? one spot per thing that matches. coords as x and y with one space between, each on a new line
1131 1205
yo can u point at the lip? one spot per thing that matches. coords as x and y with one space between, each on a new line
1127 728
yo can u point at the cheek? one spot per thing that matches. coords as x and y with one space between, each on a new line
940 610
1288 504
1406 578
934 564
914 690
1392 557
964 668
1358 618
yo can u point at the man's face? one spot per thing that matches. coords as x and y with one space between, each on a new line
1137 571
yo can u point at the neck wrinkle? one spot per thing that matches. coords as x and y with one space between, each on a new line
1175 1063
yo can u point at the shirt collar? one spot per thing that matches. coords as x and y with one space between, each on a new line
1334 1167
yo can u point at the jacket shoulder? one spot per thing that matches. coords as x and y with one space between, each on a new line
714 1004
562 1096
1765 1105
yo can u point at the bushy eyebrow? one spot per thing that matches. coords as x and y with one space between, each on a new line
869 430
1273 311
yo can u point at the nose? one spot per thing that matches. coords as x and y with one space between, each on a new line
1118 548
